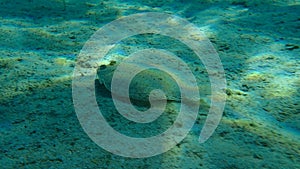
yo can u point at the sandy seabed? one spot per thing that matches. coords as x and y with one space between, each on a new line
258 44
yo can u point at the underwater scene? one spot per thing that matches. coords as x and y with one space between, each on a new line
158 84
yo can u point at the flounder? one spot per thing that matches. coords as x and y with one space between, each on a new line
144 82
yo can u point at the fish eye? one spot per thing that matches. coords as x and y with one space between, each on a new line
102 67
113 62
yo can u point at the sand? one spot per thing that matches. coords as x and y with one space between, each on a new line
258 44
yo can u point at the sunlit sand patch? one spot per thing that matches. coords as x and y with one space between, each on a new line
264 57
9 94
280 87
60 61
267 130
256 77
273 74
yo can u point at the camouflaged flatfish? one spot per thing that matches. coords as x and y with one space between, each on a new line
143 83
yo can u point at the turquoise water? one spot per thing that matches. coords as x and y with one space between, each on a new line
258 45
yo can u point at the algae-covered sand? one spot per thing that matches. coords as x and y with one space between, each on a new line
258 44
